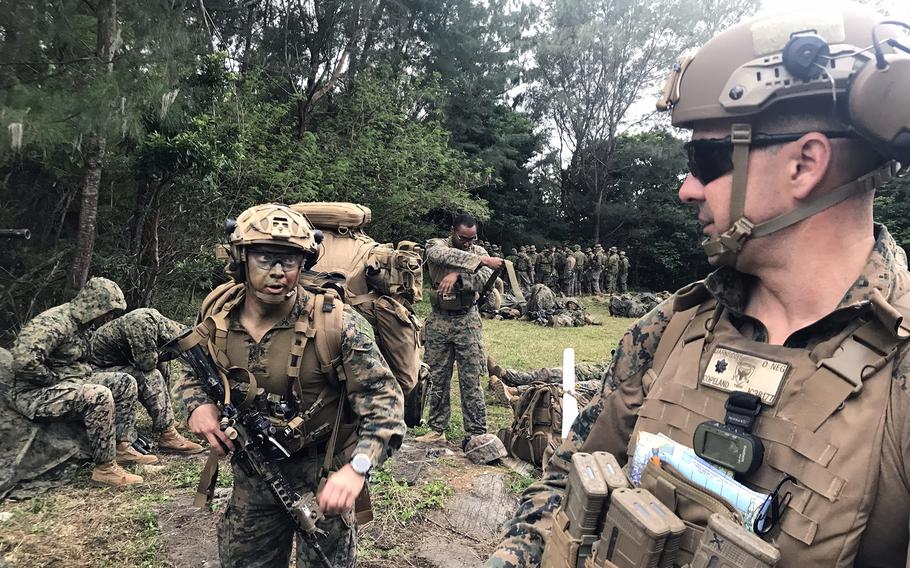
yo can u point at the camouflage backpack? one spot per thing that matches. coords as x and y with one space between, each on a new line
537 424
377 280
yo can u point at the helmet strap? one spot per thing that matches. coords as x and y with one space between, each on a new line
726 247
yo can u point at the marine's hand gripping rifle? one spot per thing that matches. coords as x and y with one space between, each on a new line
255 446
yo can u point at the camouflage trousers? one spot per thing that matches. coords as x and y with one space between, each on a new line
595 281
611 282
623 283
567 284
255 532
154 394
451 339
104 402
583 372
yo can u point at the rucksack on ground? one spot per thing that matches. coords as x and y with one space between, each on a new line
537 424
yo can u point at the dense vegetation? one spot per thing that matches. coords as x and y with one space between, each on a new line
130 130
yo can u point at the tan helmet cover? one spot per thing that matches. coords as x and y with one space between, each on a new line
272 224
740 72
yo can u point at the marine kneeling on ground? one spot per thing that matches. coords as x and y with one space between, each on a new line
130 344
52 380
802 395
312 370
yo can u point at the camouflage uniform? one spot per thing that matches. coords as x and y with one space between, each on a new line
623 272
615 410
53 380
546 268
613 263
129 344
580 260
567 272
523 271
452 337
597 265
584 371
254 530
535 264
587 284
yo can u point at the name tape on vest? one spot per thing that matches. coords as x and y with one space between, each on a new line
730 370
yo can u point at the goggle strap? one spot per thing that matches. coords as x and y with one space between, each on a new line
869 182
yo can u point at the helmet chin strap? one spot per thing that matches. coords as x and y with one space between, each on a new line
727 246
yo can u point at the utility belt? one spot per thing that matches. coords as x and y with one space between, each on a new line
605 523
458 303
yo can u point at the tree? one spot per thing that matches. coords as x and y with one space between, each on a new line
594 60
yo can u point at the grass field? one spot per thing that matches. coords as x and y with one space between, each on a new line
84 525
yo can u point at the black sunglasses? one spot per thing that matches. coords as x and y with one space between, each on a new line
711 158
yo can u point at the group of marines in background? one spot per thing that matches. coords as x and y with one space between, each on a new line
569 270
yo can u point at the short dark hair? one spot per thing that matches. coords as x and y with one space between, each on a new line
464 220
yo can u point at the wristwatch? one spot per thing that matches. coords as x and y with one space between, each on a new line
361 463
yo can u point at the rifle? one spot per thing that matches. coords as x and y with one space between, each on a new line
19 234
256 447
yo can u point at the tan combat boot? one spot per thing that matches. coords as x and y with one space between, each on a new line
127 454
495 370
172 441
112 474
500 391
431 437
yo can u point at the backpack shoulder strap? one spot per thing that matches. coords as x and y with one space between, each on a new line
327 317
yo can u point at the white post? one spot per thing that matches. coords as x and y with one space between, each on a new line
569 403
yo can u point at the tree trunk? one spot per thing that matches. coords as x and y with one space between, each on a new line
108 39
88 211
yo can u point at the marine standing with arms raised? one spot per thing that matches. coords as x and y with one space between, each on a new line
783 181
312 356
458 270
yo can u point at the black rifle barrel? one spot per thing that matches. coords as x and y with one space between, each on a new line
23 234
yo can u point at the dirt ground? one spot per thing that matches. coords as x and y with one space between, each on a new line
460 533
433 508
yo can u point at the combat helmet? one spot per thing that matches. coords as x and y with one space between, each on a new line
99 297
843 59
270 224
613 249
484 448
576 248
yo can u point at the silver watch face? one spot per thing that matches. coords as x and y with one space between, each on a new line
361 463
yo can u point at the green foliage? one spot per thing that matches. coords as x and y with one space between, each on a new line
518 482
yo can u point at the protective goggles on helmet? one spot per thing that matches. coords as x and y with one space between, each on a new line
265 260
711 158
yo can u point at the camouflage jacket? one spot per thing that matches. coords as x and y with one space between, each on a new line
132 339
54 346
378 402
444 258
617 405
613 263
